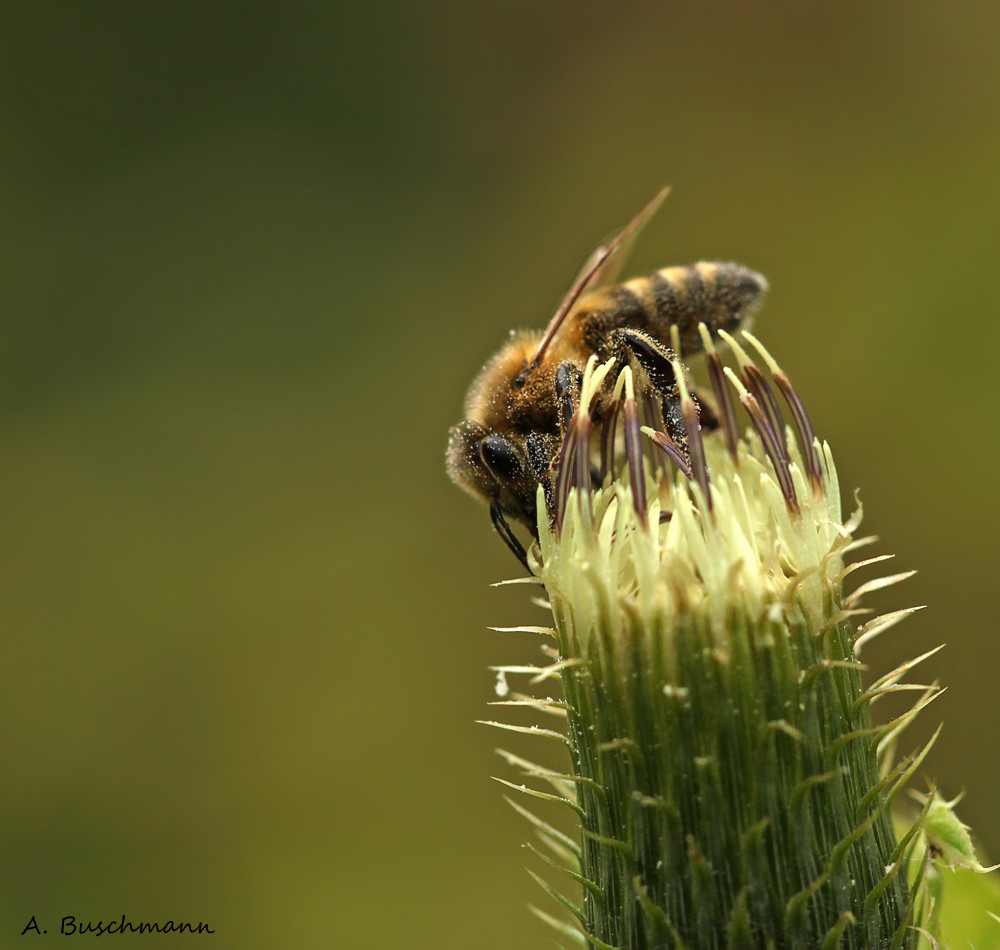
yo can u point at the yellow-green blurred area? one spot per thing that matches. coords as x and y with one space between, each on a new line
252 256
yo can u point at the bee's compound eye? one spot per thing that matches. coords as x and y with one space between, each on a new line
500 457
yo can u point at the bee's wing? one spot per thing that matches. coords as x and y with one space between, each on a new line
605 263
601 268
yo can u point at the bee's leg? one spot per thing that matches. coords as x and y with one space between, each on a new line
673 420
636 347
568 382
655 359
542 452
505 532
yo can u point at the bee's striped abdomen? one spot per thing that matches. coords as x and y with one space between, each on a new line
721 295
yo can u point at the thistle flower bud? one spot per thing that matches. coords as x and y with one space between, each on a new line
731 787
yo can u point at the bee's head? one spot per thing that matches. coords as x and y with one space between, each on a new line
495 467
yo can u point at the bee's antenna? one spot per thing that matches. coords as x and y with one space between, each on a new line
595 268
510 539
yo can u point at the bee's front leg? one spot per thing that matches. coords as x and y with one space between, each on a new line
568 382
508 536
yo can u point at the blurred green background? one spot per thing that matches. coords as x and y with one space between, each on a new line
252 256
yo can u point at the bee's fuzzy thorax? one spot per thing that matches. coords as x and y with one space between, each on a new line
489 395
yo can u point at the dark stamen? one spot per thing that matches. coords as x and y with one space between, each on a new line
581 467
771 446
563 467
758 385
696 447
802 426
724 400
692 429
654 419
800 417
633 454
608 439
663 441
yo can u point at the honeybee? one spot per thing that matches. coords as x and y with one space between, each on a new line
519 406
